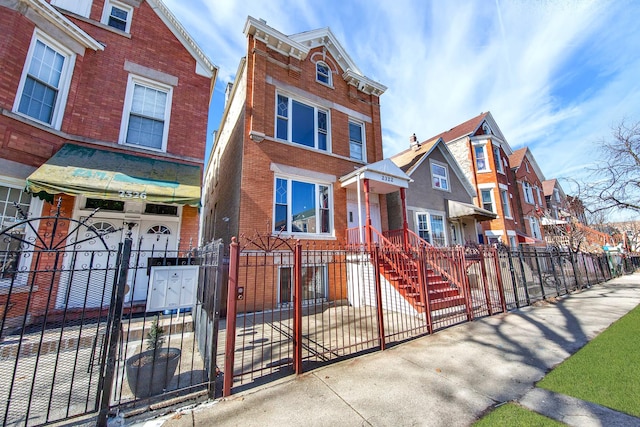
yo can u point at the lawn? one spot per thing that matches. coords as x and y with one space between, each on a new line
514 415
606 371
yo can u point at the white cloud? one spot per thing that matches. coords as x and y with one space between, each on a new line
555 74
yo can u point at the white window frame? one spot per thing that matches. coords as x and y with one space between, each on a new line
35 210
303 234
63 85
488 188
289 121
319 74
435 176
106 14
504 199
429 217
79 7
534 224
486 168
134 80
538 194
497 160
556 195
527 190
363 134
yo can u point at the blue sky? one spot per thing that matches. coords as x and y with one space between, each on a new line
556 75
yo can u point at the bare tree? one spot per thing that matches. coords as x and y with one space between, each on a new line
615 180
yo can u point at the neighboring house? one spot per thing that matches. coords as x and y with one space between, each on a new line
439 200
299 150
555 200
483 153
104 104
529 192
299 136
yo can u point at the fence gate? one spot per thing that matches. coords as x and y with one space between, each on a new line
56 281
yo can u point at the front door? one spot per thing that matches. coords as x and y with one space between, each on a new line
352 216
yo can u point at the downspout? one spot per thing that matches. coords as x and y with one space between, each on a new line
359 208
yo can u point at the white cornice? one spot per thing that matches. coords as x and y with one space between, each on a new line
49 13
299 45
275 39
324 37
204 65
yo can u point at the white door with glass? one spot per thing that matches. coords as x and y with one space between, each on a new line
352 216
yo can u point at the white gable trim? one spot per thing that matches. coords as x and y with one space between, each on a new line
204 66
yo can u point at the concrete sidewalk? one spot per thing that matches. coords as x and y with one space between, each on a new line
447 379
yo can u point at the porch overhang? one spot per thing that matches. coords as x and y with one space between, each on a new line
523 238
466 210
384 177
552 221
83 171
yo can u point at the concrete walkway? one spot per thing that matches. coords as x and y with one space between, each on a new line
447 379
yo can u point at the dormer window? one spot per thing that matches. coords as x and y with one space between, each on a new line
117 15
486 129
323 73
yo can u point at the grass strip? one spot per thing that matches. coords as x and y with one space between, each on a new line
606 371
514 415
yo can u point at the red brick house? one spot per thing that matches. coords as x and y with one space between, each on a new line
483 154
299 150
103 103
530 194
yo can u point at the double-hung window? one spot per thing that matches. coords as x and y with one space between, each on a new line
147 108
535 227
301 123
117 15
487 200
497 159
302 207
481 158
504 197
528 193
43 88
356 141
439 176
431 228
323 73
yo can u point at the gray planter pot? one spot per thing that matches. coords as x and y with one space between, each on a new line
150 372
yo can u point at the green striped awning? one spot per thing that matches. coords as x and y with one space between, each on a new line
78 170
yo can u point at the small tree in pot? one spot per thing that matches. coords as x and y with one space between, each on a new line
150 372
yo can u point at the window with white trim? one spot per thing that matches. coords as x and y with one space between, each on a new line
487 199
10 248
147 109
481 158
356 141
302 123
117 15
314 284
556 195
43 88
496 159
323 73
431 227
539 197
528 193
302 207
535 227
439 176
504 198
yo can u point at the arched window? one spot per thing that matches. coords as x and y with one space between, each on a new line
323 73
158 229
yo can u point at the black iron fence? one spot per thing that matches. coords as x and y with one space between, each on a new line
92 324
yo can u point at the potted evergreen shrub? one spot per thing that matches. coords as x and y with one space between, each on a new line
150 372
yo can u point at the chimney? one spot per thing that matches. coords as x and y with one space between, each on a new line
413 142
227 93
